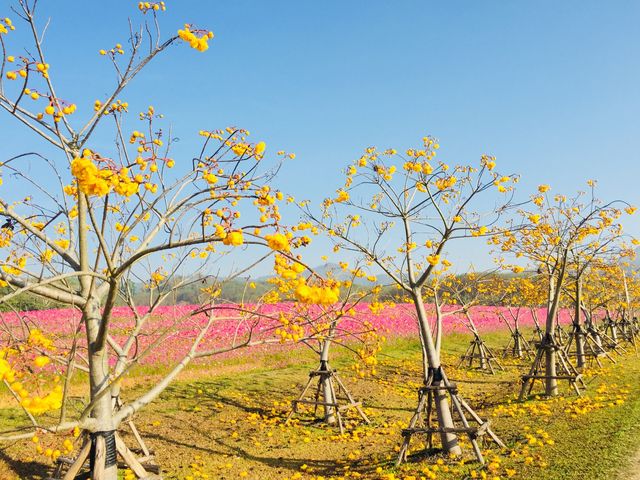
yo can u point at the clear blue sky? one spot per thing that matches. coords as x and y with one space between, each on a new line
551 88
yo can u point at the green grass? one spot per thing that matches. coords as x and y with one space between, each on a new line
223 419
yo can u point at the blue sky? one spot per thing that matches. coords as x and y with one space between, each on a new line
550 88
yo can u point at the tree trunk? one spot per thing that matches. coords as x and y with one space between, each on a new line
443 412
517 346
103 453
548 343
580 341
614 331
327 392
577 328
551 382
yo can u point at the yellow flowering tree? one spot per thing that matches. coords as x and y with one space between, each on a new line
325 310
606 292
399 211
122 216
558 235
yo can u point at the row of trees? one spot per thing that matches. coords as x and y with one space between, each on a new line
132 215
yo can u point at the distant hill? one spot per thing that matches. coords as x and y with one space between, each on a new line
338 273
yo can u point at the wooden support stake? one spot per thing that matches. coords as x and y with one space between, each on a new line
129 458
79 461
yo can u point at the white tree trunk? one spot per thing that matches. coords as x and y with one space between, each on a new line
579 336
102 410
327 391
443 412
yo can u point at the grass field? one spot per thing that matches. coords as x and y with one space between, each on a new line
225 420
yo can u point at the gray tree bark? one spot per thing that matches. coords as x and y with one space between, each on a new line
448 440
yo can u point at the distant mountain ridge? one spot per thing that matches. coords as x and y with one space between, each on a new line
339 274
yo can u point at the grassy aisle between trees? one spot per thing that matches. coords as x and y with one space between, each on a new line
226 421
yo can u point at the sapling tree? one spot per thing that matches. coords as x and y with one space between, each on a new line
605 296
399 212
326 311
465 291
96 221
510 308
628 322
552 234
584 259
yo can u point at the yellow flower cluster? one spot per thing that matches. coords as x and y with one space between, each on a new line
286 269
91 180
199 43
117 49
318 295
488 162
233 238
145 7
343 196
433 259
480 231
6 234
5 25
278 241
444 183
418 167
37 339
386 173
290 329
157 277
6 370
99 182
38 405
242 149
41 361
62 110
35 342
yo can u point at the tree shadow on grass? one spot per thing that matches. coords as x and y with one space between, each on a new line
213 393
281 464
25 468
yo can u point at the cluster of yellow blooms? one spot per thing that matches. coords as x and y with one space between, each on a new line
324 294
6 234
59 112
418 167
145 7
156 277
244 149
200 43
14 265
28 359
446 182
38 405
5 25
233 238
117 49
286 268
6 370
54 453
289 330
42 68
278 241
488 162
92 180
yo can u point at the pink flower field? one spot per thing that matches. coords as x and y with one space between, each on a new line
180 325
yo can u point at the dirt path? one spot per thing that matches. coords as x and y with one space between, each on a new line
634 471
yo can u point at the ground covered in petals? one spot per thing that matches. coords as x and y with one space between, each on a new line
226 420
